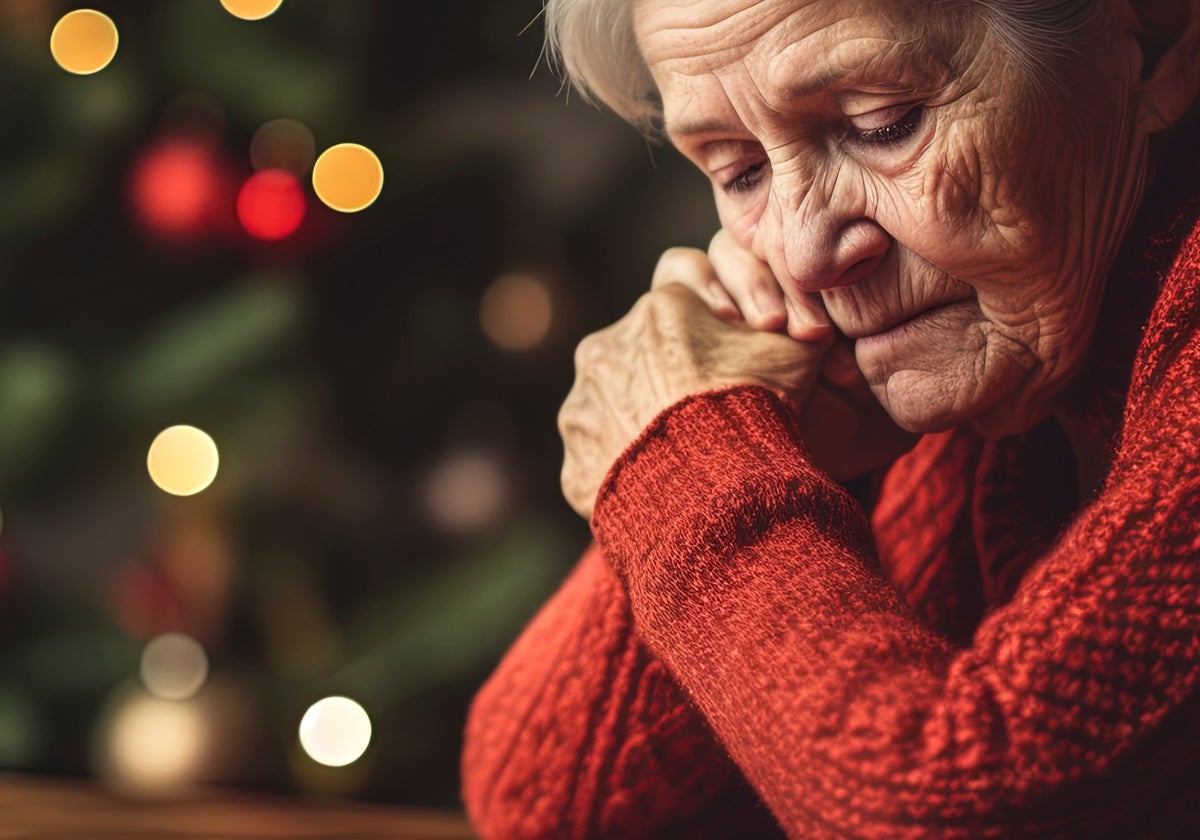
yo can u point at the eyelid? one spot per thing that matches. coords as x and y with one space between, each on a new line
724 159
717 153
881 117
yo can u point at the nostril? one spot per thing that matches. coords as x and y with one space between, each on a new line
861 246
817 255
859 270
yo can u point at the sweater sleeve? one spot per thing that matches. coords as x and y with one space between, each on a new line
752 576
581 732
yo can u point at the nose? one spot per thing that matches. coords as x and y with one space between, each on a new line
816 232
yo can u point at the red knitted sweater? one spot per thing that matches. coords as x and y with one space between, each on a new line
978 656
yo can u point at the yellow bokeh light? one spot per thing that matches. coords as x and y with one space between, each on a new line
174 666
335 731
183 460
251 9
83 41
348 177
516 312
283 144
152 744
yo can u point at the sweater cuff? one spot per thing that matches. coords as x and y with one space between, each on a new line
714 472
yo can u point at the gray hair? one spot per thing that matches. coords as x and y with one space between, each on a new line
591 44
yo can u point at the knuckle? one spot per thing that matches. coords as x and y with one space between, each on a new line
680 265
721 241
665 303
588 352
571 488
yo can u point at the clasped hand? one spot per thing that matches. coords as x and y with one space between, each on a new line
712 321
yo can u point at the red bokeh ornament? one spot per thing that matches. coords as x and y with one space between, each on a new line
271 204
176 188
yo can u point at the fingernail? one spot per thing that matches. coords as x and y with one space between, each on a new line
807 323
769 310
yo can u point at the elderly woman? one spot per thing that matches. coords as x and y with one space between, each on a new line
896 491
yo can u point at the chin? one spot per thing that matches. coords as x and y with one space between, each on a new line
923 404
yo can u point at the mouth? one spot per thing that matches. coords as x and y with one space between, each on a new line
884 327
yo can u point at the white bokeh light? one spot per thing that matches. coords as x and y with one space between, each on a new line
174 666
183 460
153 744
335 731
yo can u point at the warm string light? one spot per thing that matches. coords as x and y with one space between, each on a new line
251 9
183 460
84 41
335 731
348 177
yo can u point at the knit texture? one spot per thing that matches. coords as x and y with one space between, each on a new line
980 655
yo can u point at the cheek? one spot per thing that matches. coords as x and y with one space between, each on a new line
741 219
950 209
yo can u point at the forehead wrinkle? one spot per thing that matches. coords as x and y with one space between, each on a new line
798 58
701 31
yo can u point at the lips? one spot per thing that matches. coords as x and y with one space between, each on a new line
884 325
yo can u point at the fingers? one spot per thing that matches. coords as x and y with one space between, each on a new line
761 299
737 286
749 282
691 267
668 346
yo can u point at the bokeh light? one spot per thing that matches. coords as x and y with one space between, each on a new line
283 144
348 177
175 188
271 205
174 666
466 492
84 41
516 311
335 731
150 745
183 460
251 9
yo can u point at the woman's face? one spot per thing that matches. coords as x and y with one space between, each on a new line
955 217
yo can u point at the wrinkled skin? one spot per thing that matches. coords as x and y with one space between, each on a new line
910 186
1002 201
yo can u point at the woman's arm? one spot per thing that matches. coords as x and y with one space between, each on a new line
752 576
582 733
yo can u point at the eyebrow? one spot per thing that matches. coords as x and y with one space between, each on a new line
801 89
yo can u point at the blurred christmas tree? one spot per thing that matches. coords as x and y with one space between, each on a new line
381 386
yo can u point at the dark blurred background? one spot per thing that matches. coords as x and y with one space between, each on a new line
381 386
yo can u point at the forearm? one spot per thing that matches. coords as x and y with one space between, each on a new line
753 579
582 733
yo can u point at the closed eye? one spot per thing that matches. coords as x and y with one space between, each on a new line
746 180
891 133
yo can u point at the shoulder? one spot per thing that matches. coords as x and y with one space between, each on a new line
1167 358
1160 438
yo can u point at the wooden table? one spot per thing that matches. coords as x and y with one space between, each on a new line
56 809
